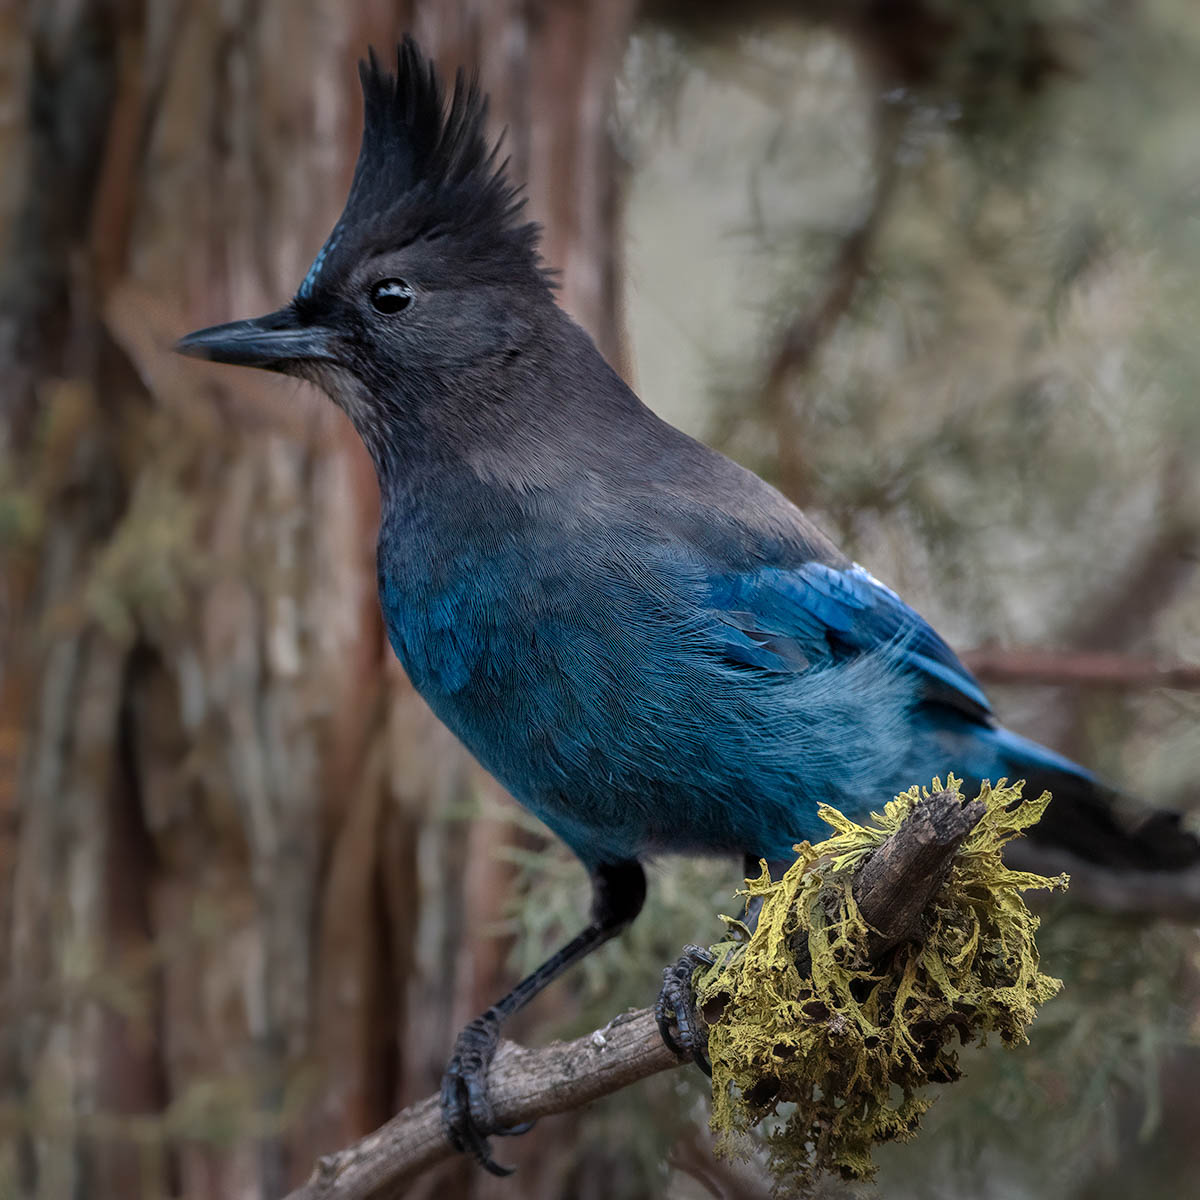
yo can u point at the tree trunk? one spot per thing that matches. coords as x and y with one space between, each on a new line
237 929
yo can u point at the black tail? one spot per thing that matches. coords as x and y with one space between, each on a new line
1099 825
1092 821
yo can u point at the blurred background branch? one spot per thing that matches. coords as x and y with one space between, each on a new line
1095 669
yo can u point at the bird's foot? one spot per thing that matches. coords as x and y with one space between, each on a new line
467 1116
676 1007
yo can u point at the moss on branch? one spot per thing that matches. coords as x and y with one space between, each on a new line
842 1056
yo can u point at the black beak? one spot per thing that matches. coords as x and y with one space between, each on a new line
275 342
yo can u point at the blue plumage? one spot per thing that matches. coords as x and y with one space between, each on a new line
609 689
647 644
649 672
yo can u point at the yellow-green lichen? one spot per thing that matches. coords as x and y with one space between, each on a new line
840 1057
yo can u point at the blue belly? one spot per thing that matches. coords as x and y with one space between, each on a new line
628 739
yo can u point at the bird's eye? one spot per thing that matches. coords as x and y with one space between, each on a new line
391 296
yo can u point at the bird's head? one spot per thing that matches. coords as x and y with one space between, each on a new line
431 277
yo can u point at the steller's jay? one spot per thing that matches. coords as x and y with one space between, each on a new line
649 646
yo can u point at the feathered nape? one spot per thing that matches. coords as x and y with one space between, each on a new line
425 171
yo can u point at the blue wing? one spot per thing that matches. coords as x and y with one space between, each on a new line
788 619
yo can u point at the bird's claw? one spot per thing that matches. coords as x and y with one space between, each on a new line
676 1006
467 1116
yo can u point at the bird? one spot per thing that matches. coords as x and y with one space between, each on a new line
647 644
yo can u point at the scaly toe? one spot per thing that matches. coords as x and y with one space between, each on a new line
676 1006
467 1116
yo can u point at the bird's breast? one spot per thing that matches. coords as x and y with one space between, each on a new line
439 635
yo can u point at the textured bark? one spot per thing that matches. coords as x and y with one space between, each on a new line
217 792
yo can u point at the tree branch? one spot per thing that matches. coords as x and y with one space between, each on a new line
1080 667
796 348
1170 895
892 889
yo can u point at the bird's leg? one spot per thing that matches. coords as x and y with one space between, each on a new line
618 891
681 1027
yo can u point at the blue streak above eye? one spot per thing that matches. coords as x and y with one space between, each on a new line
310 280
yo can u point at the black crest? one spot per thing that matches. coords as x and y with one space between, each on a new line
427 171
